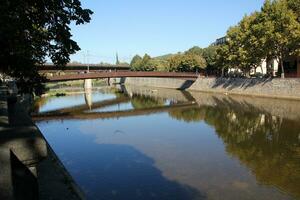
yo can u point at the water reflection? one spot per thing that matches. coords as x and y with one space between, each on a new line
135 175
88 97
235 147
268 145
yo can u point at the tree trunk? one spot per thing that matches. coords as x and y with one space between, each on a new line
282 68
222 75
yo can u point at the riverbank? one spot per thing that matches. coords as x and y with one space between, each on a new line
288 88
36 171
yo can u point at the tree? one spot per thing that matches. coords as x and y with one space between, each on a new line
143 64
210 56
272 33
283 22
195 50
294 5
147 64
34 30
135 62
241 51
222 58
186 63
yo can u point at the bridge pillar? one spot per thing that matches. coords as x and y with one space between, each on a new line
108 81
88 84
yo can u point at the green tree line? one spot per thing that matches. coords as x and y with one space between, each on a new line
273 33
193 60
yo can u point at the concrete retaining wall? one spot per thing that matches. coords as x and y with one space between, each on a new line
277 88
158 82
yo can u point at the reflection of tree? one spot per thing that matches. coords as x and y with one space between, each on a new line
187 115
266 144
40 102
140 101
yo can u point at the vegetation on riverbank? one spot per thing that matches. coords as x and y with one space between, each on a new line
270 34
192 60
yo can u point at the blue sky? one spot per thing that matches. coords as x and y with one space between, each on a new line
155 27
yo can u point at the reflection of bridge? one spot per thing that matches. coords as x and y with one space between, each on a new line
113 114
89 105
120 74
87 110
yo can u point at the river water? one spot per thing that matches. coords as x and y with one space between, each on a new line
135 143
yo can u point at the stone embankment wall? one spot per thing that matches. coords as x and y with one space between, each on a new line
158 82
288 88
26 159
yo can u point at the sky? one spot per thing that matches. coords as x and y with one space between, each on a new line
155 27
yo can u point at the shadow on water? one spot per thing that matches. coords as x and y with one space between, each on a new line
122 172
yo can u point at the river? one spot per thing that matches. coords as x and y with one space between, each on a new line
140 143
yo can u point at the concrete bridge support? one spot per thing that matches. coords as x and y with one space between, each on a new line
88 84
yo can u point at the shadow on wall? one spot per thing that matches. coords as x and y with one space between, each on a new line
231 83
122 172
186 84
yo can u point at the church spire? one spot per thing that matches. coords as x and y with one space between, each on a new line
117 59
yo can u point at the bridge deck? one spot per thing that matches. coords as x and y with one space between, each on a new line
119 74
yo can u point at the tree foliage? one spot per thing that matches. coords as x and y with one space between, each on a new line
143 64
135 62
209 54
34 30
186 63
272 33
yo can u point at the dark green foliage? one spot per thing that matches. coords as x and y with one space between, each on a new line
164 57
135 62
209 54
33 30
186 63
272 33
143 64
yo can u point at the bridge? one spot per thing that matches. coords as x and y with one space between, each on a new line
81 67
120 74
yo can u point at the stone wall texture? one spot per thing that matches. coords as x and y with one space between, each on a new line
158 82
278 88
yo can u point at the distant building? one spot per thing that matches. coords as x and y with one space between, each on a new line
262 69
220 41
